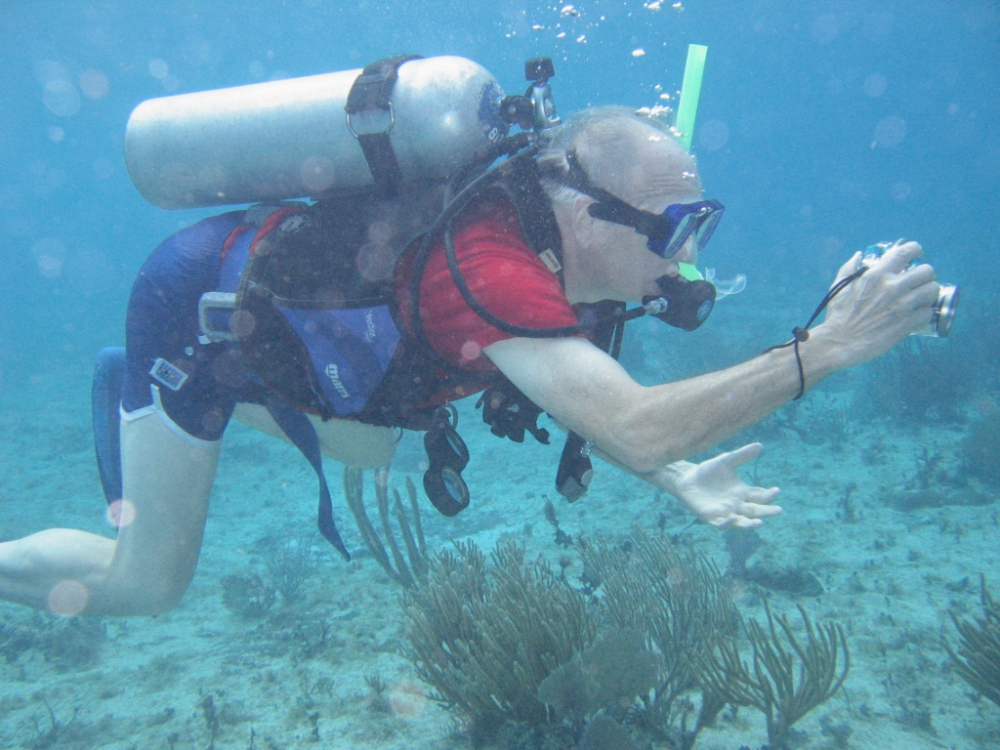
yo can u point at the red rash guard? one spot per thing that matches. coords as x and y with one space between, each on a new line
502 272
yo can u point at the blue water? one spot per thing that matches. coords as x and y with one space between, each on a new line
823 127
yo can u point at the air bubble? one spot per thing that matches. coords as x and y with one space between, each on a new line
159 69
61 97
68 598
94 84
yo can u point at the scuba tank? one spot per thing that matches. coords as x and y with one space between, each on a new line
414 118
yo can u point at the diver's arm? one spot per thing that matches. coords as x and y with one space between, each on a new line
646 428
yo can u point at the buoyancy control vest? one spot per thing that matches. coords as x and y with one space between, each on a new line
306 294
306 291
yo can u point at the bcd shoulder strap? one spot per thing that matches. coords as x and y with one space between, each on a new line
521 182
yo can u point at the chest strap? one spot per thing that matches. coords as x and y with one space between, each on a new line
215 313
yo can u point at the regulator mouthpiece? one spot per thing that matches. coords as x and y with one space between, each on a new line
684 304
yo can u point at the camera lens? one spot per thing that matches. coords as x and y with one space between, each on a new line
944 309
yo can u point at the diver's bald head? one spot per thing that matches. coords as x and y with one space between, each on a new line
630 155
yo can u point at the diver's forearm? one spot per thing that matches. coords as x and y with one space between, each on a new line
673 421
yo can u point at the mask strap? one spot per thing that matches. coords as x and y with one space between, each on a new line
610 207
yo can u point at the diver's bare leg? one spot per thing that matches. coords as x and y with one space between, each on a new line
167 482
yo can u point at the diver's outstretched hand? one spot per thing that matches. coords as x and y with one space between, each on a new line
714 492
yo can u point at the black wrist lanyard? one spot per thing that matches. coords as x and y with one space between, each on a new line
800 334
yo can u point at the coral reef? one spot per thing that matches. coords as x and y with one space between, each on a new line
652 658
741 544
69 644
57 731
790 581
978 658
770 685
486 635
247 597
617 667
678 599
407 570
290 562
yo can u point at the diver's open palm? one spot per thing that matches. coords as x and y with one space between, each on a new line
714 492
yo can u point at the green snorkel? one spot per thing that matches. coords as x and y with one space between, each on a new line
687 111
687 106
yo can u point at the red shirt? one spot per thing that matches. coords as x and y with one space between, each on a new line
502 272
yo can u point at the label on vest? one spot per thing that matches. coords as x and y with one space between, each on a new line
168 374
350 350
333 372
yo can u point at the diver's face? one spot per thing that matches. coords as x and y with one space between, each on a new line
662 175
629 268
617 263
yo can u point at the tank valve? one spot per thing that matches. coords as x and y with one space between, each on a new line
536 109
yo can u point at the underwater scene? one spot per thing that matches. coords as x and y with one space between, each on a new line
866 615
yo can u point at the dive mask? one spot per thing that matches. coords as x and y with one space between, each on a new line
665 232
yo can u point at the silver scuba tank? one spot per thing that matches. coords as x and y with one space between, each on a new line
292 139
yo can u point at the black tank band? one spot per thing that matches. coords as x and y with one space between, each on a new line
371 92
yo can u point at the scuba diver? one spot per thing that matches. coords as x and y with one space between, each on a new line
336 323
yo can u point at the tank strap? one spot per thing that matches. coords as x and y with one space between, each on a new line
522 183
368 109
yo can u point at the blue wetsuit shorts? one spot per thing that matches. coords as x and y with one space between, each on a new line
199 385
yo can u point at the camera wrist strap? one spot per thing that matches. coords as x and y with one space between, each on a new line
801 333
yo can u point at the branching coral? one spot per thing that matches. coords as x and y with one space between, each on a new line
485 635
406 570
978 657
247 596
508 642
290 562
770 685
676 596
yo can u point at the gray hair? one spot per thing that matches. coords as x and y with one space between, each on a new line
613 145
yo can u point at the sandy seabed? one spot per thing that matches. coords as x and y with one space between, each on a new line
203 677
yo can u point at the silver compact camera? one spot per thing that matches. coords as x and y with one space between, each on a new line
943 309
